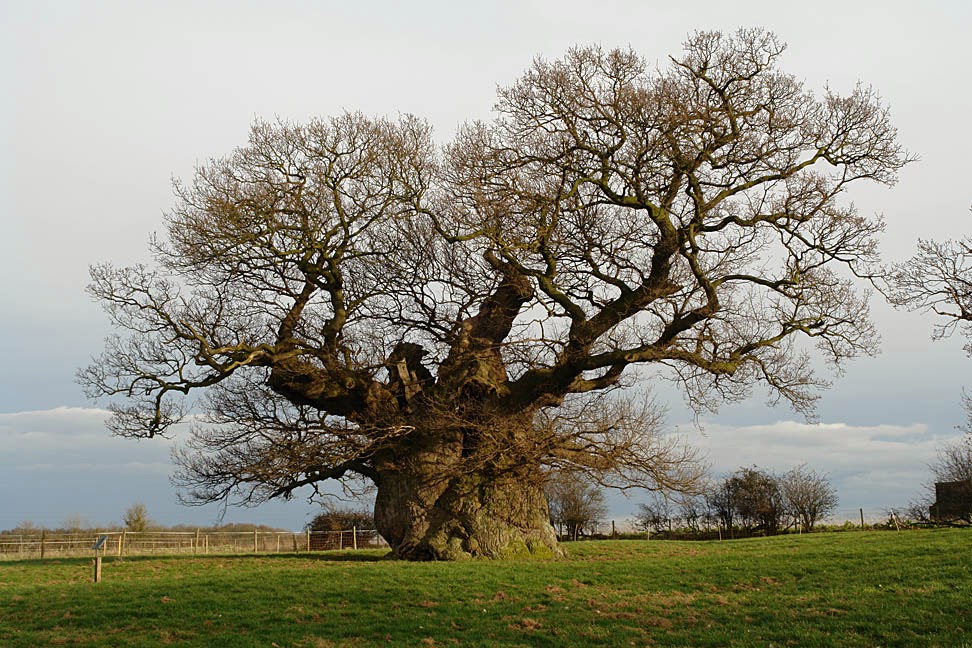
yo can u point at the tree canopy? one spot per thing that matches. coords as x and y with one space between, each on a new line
354 300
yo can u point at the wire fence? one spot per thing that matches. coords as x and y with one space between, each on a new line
143 543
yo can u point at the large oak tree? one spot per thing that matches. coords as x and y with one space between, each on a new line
449 323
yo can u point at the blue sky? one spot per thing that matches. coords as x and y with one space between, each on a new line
105 102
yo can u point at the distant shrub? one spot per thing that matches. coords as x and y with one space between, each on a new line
342 519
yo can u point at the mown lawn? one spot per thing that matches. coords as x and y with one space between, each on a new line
838 589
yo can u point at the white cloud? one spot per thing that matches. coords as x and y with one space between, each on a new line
73 438
99 470
50 420
66 427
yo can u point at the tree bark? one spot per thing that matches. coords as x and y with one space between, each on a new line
424 516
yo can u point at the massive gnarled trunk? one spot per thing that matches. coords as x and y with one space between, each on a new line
426 517
448 494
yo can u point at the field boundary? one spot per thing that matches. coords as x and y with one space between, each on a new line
141 543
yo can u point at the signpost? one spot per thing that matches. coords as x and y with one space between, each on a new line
99 544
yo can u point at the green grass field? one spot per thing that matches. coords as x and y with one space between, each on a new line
836 589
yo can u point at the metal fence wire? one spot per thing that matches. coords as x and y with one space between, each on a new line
142 543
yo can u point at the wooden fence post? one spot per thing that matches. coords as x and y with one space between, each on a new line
308 540
354 537
255 541
196 547
97 569
862 518
43 542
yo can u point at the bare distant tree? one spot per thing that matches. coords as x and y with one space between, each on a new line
917 510
136 518
749 499
357 303
689 511
758 500
953 461
75 523
938 279
576 505
25 527
809 496
720 497
658 513
695 511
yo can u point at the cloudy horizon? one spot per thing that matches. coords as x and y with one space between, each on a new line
873 467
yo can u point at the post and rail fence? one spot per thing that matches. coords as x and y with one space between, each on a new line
143 543
49 544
